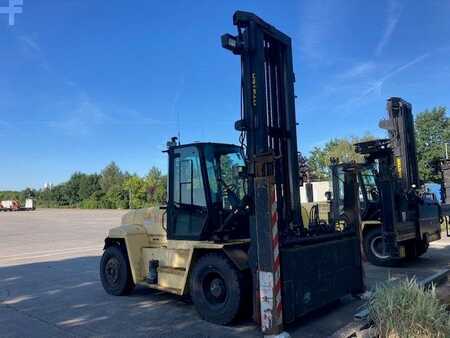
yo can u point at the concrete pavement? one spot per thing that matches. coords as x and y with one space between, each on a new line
49 285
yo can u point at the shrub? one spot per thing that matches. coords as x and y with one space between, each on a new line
407 310
89 204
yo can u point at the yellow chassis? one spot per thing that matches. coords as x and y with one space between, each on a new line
175 257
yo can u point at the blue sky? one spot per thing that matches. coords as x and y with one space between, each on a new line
87 82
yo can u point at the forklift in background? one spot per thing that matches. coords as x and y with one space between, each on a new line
231 235
399 219
444 168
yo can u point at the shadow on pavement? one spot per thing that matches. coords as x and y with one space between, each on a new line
436 258
65 298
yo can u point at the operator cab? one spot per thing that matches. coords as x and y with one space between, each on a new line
369 192
369 198
207 193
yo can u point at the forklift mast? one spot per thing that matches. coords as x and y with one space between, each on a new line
268 128
268 110
444 168
397 169
405 213
400 127
285 257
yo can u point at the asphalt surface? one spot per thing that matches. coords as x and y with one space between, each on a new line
49 285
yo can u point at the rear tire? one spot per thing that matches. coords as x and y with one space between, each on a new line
416 248
422 247
218 289
115 272
374 249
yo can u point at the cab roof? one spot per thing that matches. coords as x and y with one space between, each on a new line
202 144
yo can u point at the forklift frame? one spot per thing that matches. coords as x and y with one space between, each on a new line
408 220
294 270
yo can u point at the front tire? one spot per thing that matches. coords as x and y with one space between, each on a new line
218 289
374 249
115 272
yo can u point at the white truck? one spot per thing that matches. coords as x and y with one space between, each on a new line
15 205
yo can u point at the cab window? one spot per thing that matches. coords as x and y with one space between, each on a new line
188 212
188 184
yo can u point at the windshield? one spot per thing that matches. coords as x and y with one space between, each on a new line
370 186
223 164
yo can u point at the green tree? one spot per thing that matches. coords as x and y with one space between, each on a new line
29 193
71 189
11 195
341 148
115 198
432 132
318 163
44 197
156 185
137 192
96 200
89 184
111 189
111 176
59 196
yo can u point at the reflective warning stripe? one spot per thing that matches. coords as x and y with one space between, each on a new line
276 261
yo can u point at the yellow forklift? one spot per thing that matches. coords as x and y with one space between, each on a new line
231 235
399 218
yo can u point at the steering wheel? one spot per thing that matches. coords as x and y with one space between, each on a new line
373 193
233 198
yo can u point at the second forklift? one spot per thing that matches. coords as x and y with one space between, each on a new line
399 218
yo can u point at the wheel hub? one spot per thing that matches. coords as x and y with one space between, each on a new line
378 248
214 289
217 287
112 271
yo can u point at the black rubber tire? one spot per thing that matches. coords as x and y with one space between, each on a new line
422 247
415 249
370 236
123 283
234 282
412 250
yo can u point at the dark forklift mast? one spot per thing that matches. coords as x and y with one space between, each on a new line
444 168
268 127
405 213
397 168
310 266
398 178
268 116
400 127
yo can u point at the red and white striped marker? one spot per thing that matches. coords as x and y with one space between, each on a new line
276 261
270 282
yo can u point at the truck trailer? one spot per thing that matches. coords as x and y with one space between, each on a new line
15 205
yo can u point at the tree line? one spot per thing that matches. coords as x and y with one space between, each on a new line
432 128
111 189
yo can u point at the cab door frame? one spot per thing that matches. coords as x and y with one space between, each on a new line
176 209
